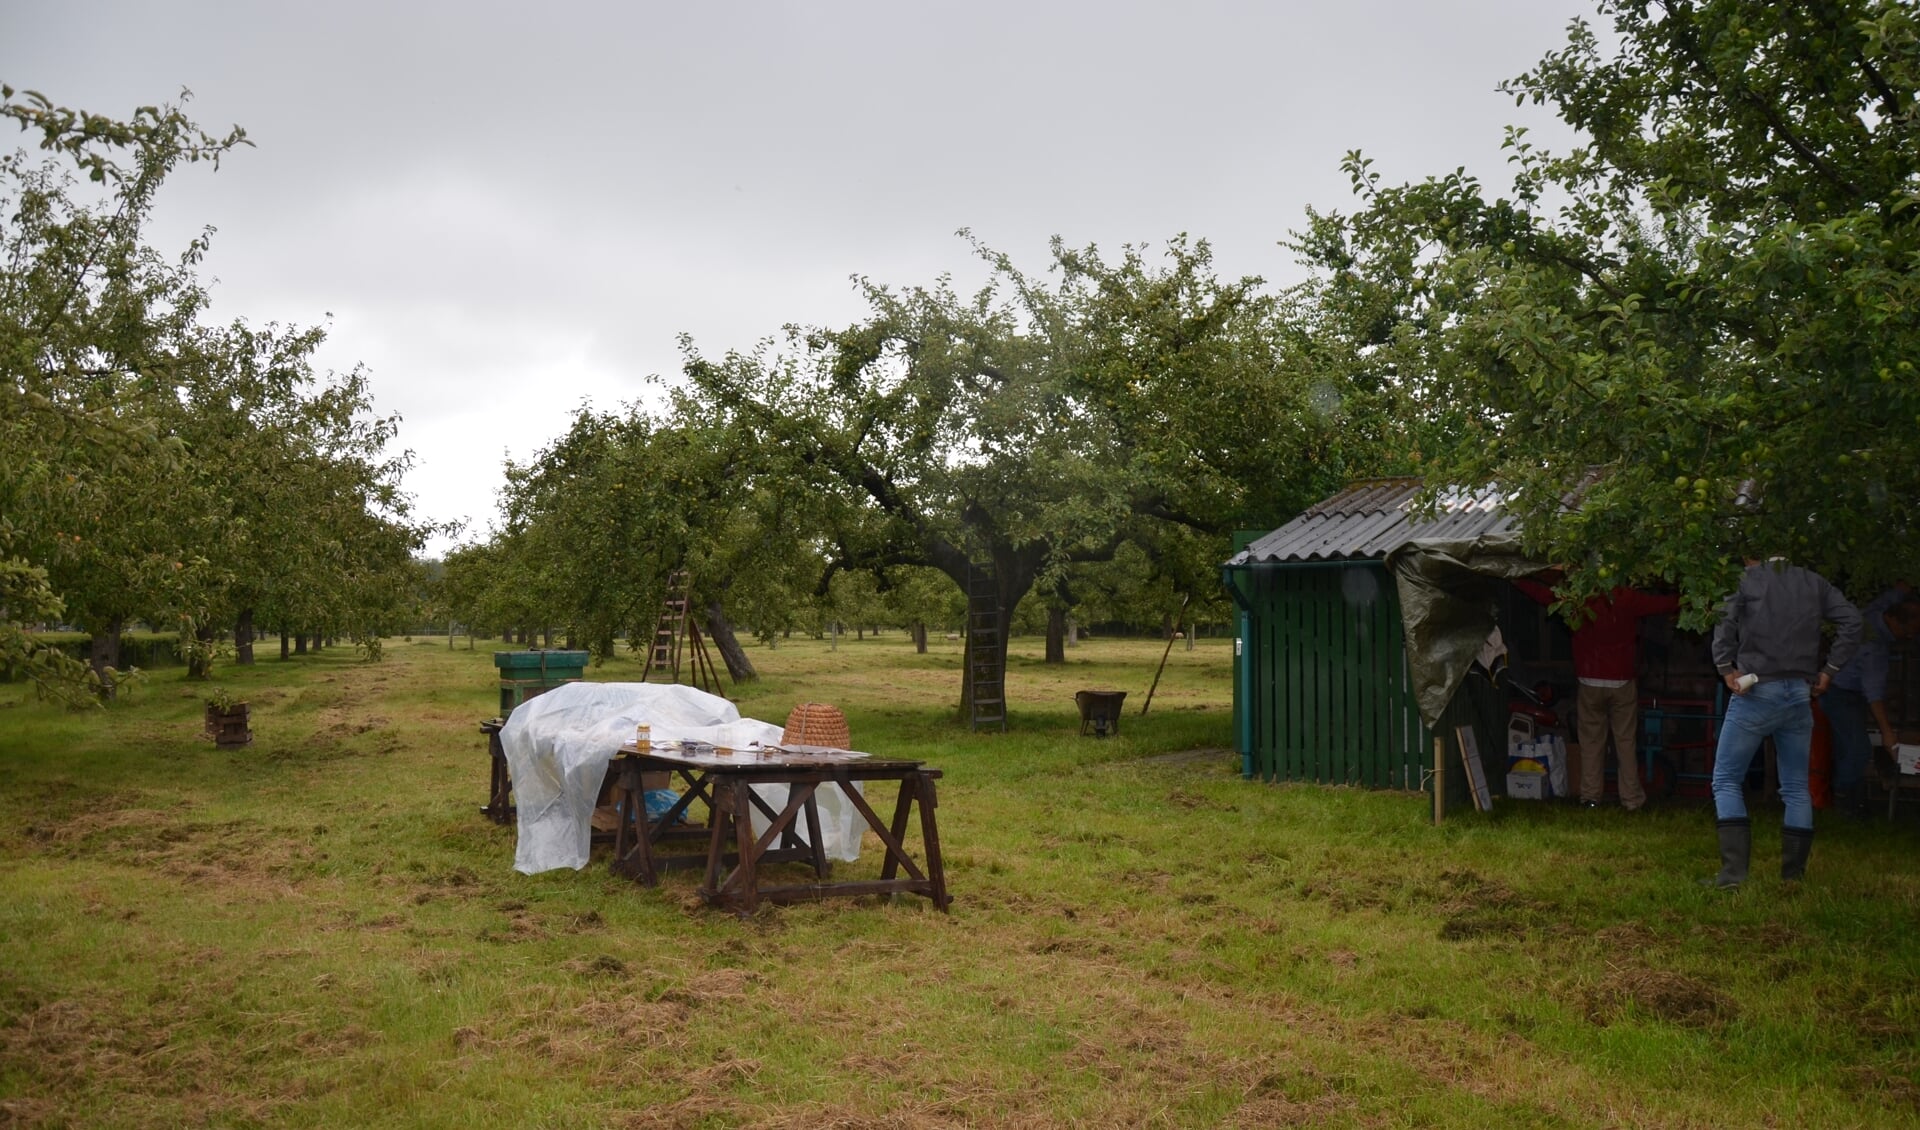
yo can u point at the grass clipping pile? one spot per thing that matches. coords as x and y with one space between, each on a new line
1672 997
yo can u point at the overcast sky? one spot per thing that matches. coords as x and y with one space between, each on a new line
504 211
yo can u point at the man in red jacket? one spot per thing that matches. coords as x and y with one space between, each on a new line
1606 660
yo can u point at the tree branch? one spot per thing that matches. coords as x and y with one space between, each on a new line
1690 47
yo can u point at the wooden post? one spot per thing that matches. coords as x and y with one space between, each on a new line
1439 779
1158 671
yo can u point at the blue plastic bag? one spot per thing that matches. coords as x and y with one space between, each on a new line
660 802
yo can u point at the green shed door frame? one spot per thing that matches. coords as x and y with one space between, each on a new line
1324 693
1242 733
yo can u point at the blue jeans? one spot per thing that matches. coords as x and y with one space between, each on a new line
1777 710
1847 711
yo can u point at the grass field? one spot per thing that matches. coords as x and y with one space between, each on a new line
320 930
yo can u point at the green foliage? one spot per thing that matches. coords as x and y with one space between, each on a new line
598 520
200 649
1041 423
305 525
153 467
91 323
26 598
1698 325
854 601
918 595
1015 435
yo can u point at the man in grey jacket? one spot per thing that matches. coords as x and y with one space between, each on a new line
1767 648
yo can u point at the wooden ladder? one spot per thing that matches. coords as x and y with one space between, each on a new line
672 628
986 663
678 634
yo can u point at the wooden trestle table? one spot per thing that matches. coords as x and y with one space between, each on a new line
734 855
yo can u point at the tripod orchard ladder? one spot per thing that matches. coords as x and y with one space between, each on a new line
677 634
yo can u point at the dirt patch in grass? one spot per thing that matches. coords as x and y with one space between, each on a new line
963 1107
1348 893
1282 1110
1478 907
1626 937
600 1032
1893 1087
1149 1058
714 986
1190 756
1874 1014
1472 904
1181 798
694 1110
1446 1052
1499 924
347 722
1457 890
109 817
1070 946
1882 1030
1671 997
616 1021
67 1050
237 856
599 965
730 1071
519 928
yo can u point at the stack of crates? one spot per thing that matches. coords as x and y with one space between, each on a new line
524 674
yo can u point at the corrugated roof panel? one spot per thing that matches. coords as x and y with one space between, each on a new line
1368 496
1368 519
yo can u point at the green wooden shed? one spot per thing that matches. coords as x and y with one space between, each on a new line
1324 691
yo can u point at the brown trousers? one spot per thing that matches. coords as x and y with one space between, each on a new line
1615 709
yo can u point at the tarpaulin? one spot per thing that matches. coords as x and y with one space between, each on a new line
558 745
1449 593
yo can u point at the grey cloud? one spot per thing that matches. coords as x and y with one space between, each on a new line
510 207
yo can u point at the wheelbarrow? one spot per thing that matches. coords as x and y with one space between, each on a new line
1099 712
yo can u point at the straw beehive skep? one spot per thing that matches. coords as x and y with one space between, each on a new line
816 723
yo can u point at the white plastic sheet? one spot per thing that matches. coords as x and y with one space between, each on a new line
558 745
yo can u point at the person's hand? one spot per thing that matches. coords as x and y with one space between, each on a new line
1821 684
1732 679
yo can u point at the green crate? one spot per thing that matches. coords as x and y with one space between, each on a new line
524 674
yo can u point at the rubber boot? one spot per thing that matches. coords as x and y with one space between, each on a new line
1795 844
1736 844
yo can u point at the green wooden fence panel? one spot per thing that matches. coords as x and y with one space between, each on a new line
1331 700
